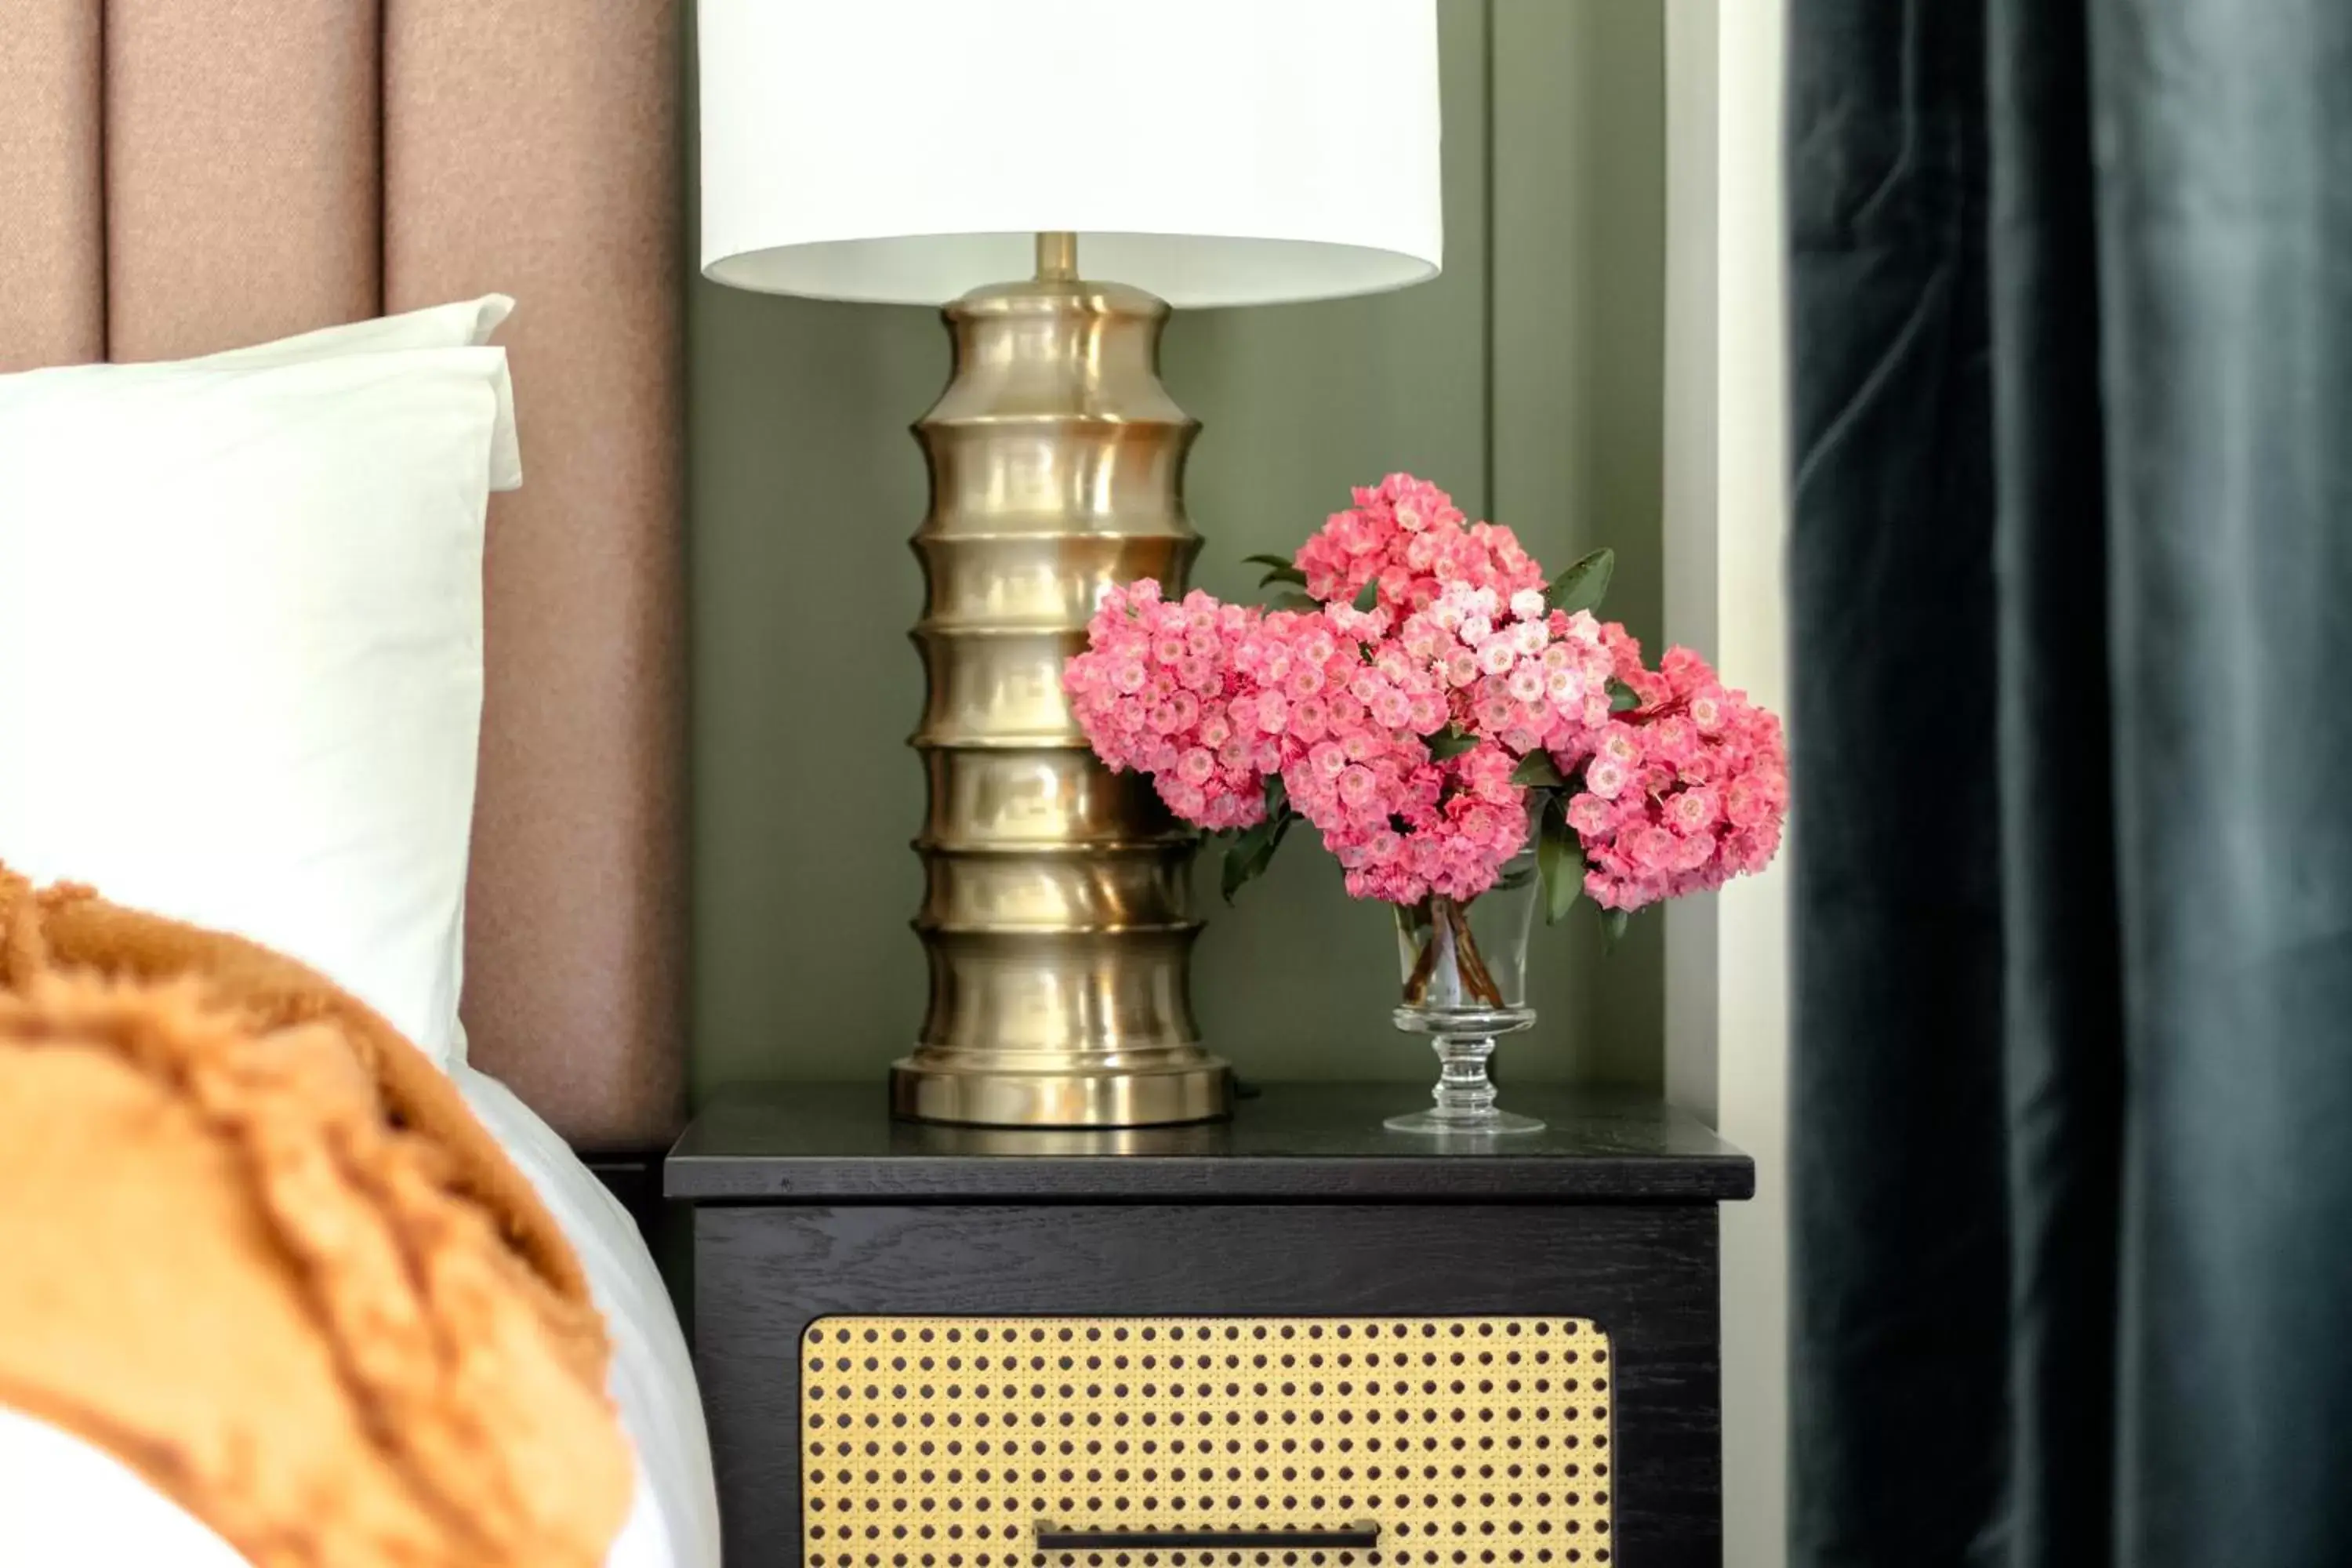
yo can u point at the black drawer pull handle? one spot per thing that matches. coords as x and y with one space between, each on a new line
1363 1533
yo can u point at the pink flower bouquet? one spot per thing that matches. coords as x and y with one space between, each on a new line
1426 699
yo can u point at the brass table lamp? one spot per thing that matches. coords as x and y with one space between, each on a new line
1201 153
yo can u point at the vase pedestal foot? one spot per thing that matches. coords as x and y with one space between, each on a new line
1463 1103
1442 1125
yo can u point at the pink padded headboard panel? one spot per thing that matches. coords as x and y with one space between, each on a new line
182 175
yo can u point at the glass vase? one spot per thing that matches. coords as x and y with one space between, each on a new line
1464 966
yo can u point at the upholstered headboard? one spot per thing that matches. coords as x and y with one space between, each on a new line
183 175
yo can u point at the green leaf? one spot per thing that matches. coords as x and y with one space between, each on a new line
1245 857
1536 769
1277 797
1512 881
1613 927
1583 585
1248 856
1560 856
1291 599
1449 742
1368 595
1622 698
1279 569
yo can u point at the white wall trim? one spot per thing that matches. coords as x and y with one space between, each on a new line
1725 492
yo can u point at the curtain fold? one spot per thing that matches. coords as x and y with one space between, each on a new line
1897 1312
2072 579
2063 1061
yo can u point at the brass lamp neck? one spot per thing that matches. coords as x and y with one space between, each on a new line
1057 256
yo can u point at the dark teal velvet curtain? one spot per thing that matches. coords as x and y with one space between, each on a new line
2072 585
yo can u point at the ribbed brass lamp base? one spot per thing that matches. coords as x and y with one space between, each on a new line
1056 914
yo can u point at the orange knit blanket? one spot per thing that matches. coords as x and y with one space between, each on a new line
258 1249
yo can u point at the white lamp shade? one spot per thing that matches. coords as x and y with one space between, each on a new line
1213 151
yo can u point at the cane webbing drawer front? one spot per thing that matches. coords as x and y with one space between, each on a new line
948 1442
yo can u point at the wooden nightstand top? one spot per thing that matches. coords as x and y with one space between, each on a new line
823 1143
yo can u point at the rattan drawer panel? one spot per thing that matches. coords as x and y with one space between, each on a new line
941 1442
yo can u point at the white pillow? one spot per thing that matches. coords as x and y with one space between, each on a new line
467 324
240 642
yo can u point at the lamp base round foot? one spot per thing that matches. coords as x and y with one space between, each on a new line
1199 1089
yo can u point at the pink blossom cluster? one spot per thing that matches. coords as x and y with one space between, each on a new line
1397 731
1356 711
1680 795
1208 699
1407 534
1462 819
1532 678
1155 691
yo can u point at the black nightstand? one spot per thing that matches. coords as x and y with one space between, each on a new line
931 1347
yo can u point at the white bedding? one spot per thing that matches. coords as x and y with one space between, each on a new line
64 1502
276 552
653 1375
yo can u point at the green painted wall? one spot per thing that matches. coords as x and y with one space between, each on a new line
1526 380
